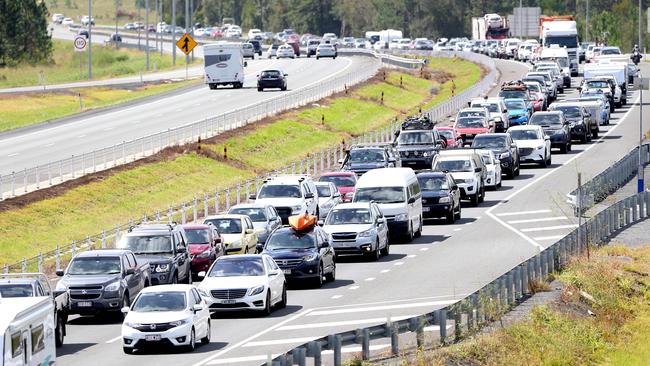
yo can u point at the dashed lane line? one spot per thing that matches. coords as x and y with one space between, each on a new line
549 228
543 219
523 213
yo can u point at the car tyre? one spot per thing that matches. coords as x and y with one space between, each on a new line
594 134
267 305
458 215
386 249
283 303
284 88
419 232
192 345
318 281
174 279
564 148
481 197
260 89
474 199
331 277
317 57
206 340
59 331
450 217
374 255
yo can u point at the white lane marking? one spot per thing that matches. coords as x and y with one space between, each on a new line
398 263
370 279
274 342
381 308
353 349
228 361
50 144
553 237
523 213
249 339
12 155
336 297
355 287
109 128
424 249
454 296
384 271
538 220
81 136
197 104
341 323
549 228
530 184
411 256
114 339
459 229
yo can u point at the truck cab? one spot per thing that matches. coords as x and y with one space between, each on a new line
562 31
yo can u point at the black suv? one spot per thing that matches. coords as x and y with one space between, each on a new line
440 196
257 46
579 120
164 247
556 127
504 149
417 143
363 157
305 254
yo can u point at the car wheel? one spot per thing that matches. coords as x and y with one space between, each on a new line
206 340
458 214
548 162
474 199
253 57
331 277
544 163
564 148
518 170
570 146
260 89
594 134
318 281
283 303
267 305
284 88
450 217
127 350
374 255
192 345
386 249
419 232
317 57
59 331
481 197
174 279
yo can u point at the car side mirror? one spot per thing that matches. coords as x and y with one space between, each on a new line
201 274
478 169
245 64
411 200
252 196
60 273
125 309
546 138
130 271
217 240
391 160
321 223
249 231
513 145
324 245
505 111
286 74
259 248
197 307
309 195
181 249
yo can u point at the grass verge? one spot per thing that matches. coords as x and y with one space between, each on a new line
603 318
28 109
108 62
112 197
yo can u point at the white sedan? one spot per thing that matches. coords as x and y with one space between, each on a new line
285 51
244 282
325 50
534 146
328 197
174 315
493 166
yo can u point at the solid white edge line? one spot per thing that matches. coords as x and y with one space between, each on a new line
341 323
112 340
553 237
274 342
381 308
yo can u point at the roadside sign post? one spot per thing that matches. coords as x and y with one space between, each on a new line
80 44
186 44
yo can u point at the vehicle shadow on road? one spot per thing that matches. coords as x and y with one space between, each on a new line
72 348
97 320
200 348
430 239
362 259
244 314
306 285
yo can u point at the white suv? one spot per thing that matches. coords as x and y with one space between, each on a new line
289 195
498 111
468 170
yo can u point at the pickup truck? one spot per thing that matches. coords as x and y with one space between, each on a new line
103 280
37 285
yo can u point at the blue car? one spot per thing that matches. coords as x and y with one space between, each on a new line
518 111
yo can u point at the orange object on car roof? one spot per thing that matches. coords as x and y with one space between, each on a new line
302 222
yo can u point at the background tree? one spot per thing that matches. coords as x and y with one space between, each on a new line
23 32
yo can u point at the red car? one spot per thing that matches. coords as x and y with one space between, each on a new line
468 127
344 182
205 245
296 47
451 136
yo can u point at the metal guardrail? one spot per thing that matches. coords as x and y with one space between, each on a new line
206 203
486 304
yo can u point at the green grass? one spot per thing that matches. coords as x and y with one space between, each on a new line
465 74
396 98
101 205
28 109
277 144
349 115
102 10
108 62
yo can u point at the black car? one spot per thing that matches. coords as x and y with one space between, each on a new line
271 79
417 148
579 121
440 196
556 127
257 46
504 149
303 255
362 158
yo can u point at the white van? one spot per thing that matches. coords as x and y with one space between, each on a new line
27 331
397 192
224 64
559 55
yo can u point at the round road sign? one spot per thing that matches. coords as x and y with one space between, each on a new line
80 43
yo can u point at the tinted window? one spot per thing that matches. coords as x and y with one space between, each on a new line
515 104
255 213
489 141
448 134
95 266
348 216
161 301
198 236
146 244
459 165
545 119
38 339
16 345
469 122
226 225
412 138
569 112
380 195
16 290
433 183
279 191
524 134
290 239
211 60
364 156
324 191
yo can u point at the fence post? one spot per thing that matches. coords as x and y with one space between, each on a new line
103 239
227 199
183 218
24 265
40 262
74 248
57 258
394 338
195 213
238 193
365 344
205 205
216 202
442 323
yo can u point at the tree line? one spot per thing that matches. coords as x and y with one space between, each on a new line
23 32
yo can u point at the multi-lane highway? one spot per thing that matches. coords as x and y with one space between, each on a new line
447 262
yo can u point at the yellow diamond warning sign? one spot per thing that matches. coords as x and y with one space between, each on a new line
186 44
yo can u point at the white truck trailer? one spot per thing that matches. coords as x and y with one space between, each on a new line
223 64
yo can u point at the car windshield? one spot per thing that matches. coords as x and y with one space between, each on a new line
270 73
597 84
290 239
226 225
415 138
365 156
546 77
323 191
519 94
515 104
489 141
159 301
433 183
95 266
348 216
339 180
534 87
16 290
562 41
448 134
197 236
470 122
279 191
524 135
256 214
453 165
487 159
380 194
471 114
569 112
237 267
545 119
610 51
146 244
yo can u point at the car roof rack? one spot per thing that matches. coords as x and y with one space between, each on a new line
420 122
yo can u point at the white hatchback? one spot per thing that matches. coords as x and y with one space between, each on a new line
325 50
175 315
285 51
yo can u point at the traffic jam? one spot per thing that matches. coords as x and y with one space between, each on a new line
165 282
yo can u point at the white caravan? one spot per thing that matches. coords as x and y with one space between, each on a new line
224 65
27 331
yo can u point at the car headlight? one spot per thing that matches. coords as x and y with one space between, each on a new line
113 286
235 243
310 257
296 209
177 323
365 234
444 200
204 254
401 217
61 286
256 290
504 155
572 124
162 268
133 325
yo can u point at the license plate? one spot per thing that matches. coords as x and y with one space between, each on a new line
85 304
152 337
287 271
227 301
426 209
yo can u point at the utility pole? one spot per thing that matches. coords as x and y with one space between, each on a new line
146 30
587 23
521 19
161 19
90 43
116 9
174 32
640 174
187 27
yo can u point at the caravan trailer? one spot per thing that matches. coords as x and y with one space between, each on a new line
224 64
27 331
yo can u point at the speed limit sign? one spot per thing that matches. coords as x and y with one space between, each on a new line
80 43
